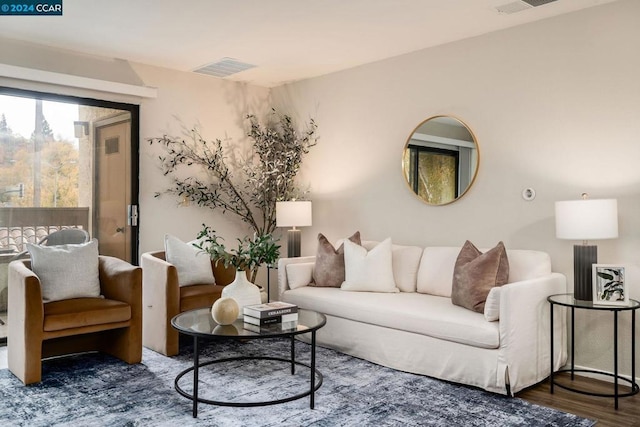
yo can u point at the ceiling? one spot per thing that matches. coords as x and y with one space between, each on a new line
286 40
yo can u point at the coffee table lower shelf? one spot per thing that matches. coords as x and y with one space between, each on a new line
190 396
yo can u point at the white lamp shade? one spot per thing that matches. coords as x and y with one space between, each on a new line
588 219
293 214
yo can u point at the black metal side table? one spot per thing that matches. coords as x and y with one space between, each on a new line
567 300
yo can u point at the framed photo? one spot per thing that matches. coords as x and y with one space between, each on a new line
609 285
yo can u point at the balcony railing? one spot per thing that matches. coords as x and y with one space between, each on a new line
21 225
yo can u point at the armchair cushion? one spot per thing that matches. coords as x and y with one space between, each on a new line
66 271
198 296
79 312
192 264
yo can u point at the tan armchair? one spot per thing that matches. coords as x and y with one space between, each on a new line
38 330
163 298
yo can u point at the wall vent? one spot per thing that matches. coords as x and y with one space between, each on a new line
224 67
520 5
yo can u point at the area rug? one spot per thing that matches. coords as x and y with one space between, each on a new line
98 390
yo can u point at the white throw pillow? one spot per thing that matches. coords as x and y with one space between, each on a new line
299 275
492 305
66 271
193 264
368 271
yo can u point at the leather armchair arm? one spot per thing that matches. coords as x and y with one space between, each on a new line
25 322
120 280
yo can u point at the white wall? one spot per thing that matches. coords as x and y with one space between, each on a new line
554 105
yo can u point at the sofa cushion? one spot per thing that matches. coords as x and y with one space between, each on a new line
66 271
299 275
417 313
369 271
329 267
436 270
193 265
527 264
475 273
438 262
79 312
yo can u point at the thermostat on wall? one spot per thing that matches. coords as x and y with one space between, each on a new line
528 194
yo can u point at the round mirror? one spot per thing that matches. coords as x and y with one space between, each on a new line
440 160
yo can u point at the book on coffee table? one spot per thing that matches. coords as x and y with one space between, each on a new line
269 309
284 318
276 327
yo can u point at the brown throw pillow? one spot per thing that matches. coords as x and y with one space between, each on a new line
329 268
476 273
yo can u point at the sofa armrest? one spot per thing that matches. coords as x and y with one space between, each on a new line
525 329
283 283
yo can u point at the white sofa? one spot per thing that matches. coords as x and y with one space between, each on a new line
419 330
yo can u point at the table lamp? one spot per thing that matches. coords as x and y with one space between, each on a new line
293 214
586 219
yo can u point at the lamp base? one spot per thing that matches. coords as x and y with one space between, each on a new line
584 256
293 243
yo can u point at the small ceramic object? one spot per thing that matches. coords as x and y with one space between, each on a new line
225 311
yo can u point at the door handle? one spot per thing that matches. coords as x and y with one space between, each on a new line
120 230
132 215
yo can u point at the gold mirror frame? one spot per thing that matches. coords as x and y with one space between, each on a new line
440 160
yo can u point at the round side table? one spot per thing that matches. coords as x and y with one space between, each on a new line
568 300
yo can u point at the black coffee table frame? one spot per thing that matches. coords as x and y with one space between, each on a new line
316 377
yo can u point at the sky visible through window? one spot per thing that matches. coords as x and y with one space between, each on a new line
20 115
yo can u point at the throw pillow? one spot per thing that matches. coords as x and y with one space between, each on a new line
66 271
329 268
368 271
192 264
476 273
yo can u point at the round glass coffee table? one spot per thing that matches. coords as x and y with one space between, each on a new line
199 324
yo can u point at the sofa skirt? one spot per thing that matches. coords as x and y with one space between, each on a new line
415 353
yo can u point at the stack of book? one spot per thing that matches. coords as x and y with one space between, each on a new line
270 317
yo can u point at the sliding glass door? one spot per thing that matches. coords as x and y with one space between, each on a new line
66 162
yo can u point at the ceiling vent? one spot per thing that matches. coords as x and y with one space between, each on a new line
224 67
536 3
520 5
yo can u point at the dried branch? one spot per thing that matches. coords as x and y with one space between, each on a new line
250 190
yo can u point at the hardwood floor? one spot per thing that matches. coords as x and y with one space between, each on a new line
598 408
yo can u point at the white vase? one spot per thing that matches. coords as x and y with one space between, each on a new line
243 291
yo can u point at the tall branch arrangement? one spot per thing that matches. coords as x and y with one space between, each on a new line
249 187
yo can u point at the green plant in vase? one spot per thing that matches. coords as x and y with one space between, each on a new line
251 253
